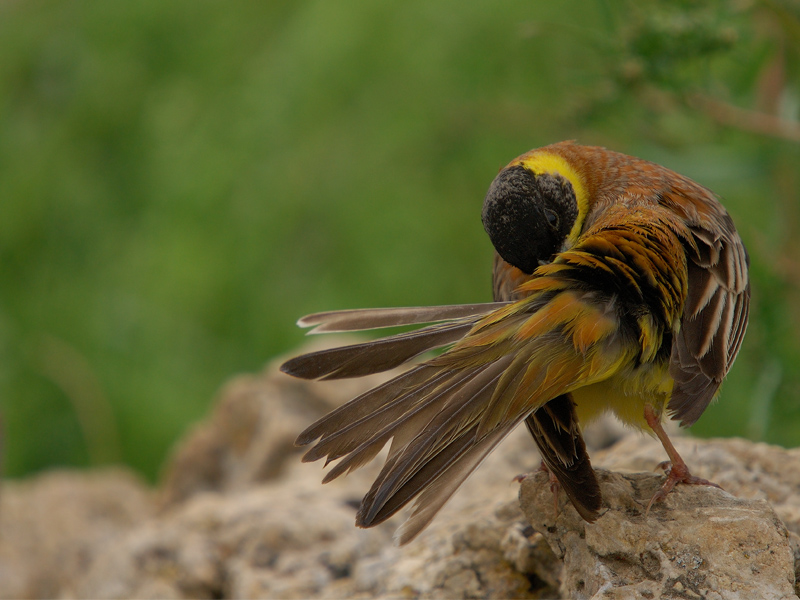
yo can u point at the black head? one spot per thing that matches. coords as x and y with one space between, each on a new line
528 216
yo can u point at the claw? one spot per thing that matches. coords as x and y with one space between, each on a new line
676 474
555 486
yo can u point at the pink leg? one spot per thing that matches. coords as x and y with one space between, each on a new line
677 472
555 487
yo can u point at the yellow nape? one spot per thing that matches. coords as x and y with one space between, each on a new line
546 162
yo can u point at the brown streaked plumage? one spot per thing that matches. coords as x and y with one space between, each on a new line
619 286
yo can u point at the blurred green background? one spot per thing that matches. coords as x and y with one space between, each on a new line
180 181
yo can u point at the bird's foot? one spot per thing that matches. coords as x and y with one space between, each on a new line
676 473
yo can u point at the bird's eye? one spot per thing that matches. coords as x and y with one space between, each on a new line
552 218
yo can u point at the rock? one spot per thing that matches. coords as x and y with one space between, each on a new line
297 540
700 542
238 515
249 437
52 525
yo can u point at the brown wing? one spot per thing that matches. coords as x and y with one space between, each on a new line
450 323
555 429
716 311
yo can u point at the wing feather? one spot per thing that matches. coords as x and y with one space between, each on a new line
425 403
376 318
375 356
714 319
430 453
363 405
466 457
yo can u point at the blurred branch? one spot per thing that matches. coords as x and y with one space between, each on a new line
746 120
788 20
67 368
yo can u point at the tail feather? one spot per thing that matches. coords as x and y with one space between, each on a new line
555 429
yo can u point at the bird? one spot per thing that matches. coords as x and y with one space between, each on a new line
619 286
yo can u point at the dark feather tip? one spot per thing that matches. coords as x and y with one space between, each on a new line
304 439
290 366
304 366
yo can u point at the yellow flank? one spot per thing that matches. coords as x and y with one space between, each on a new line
624 397
546 162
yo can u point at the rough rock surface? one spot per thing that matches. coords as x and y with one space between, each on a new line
52 525
700 542
250 435
238 516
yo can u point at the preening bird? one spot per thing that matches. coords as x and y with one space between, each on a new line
619 286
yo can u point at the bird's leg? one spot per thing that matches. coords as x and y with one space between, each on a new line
677 471
555 486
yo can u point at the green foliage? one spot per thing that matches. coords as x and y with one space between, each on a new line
180 181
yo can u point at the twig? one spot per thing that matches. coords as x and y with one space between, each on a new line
746 120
